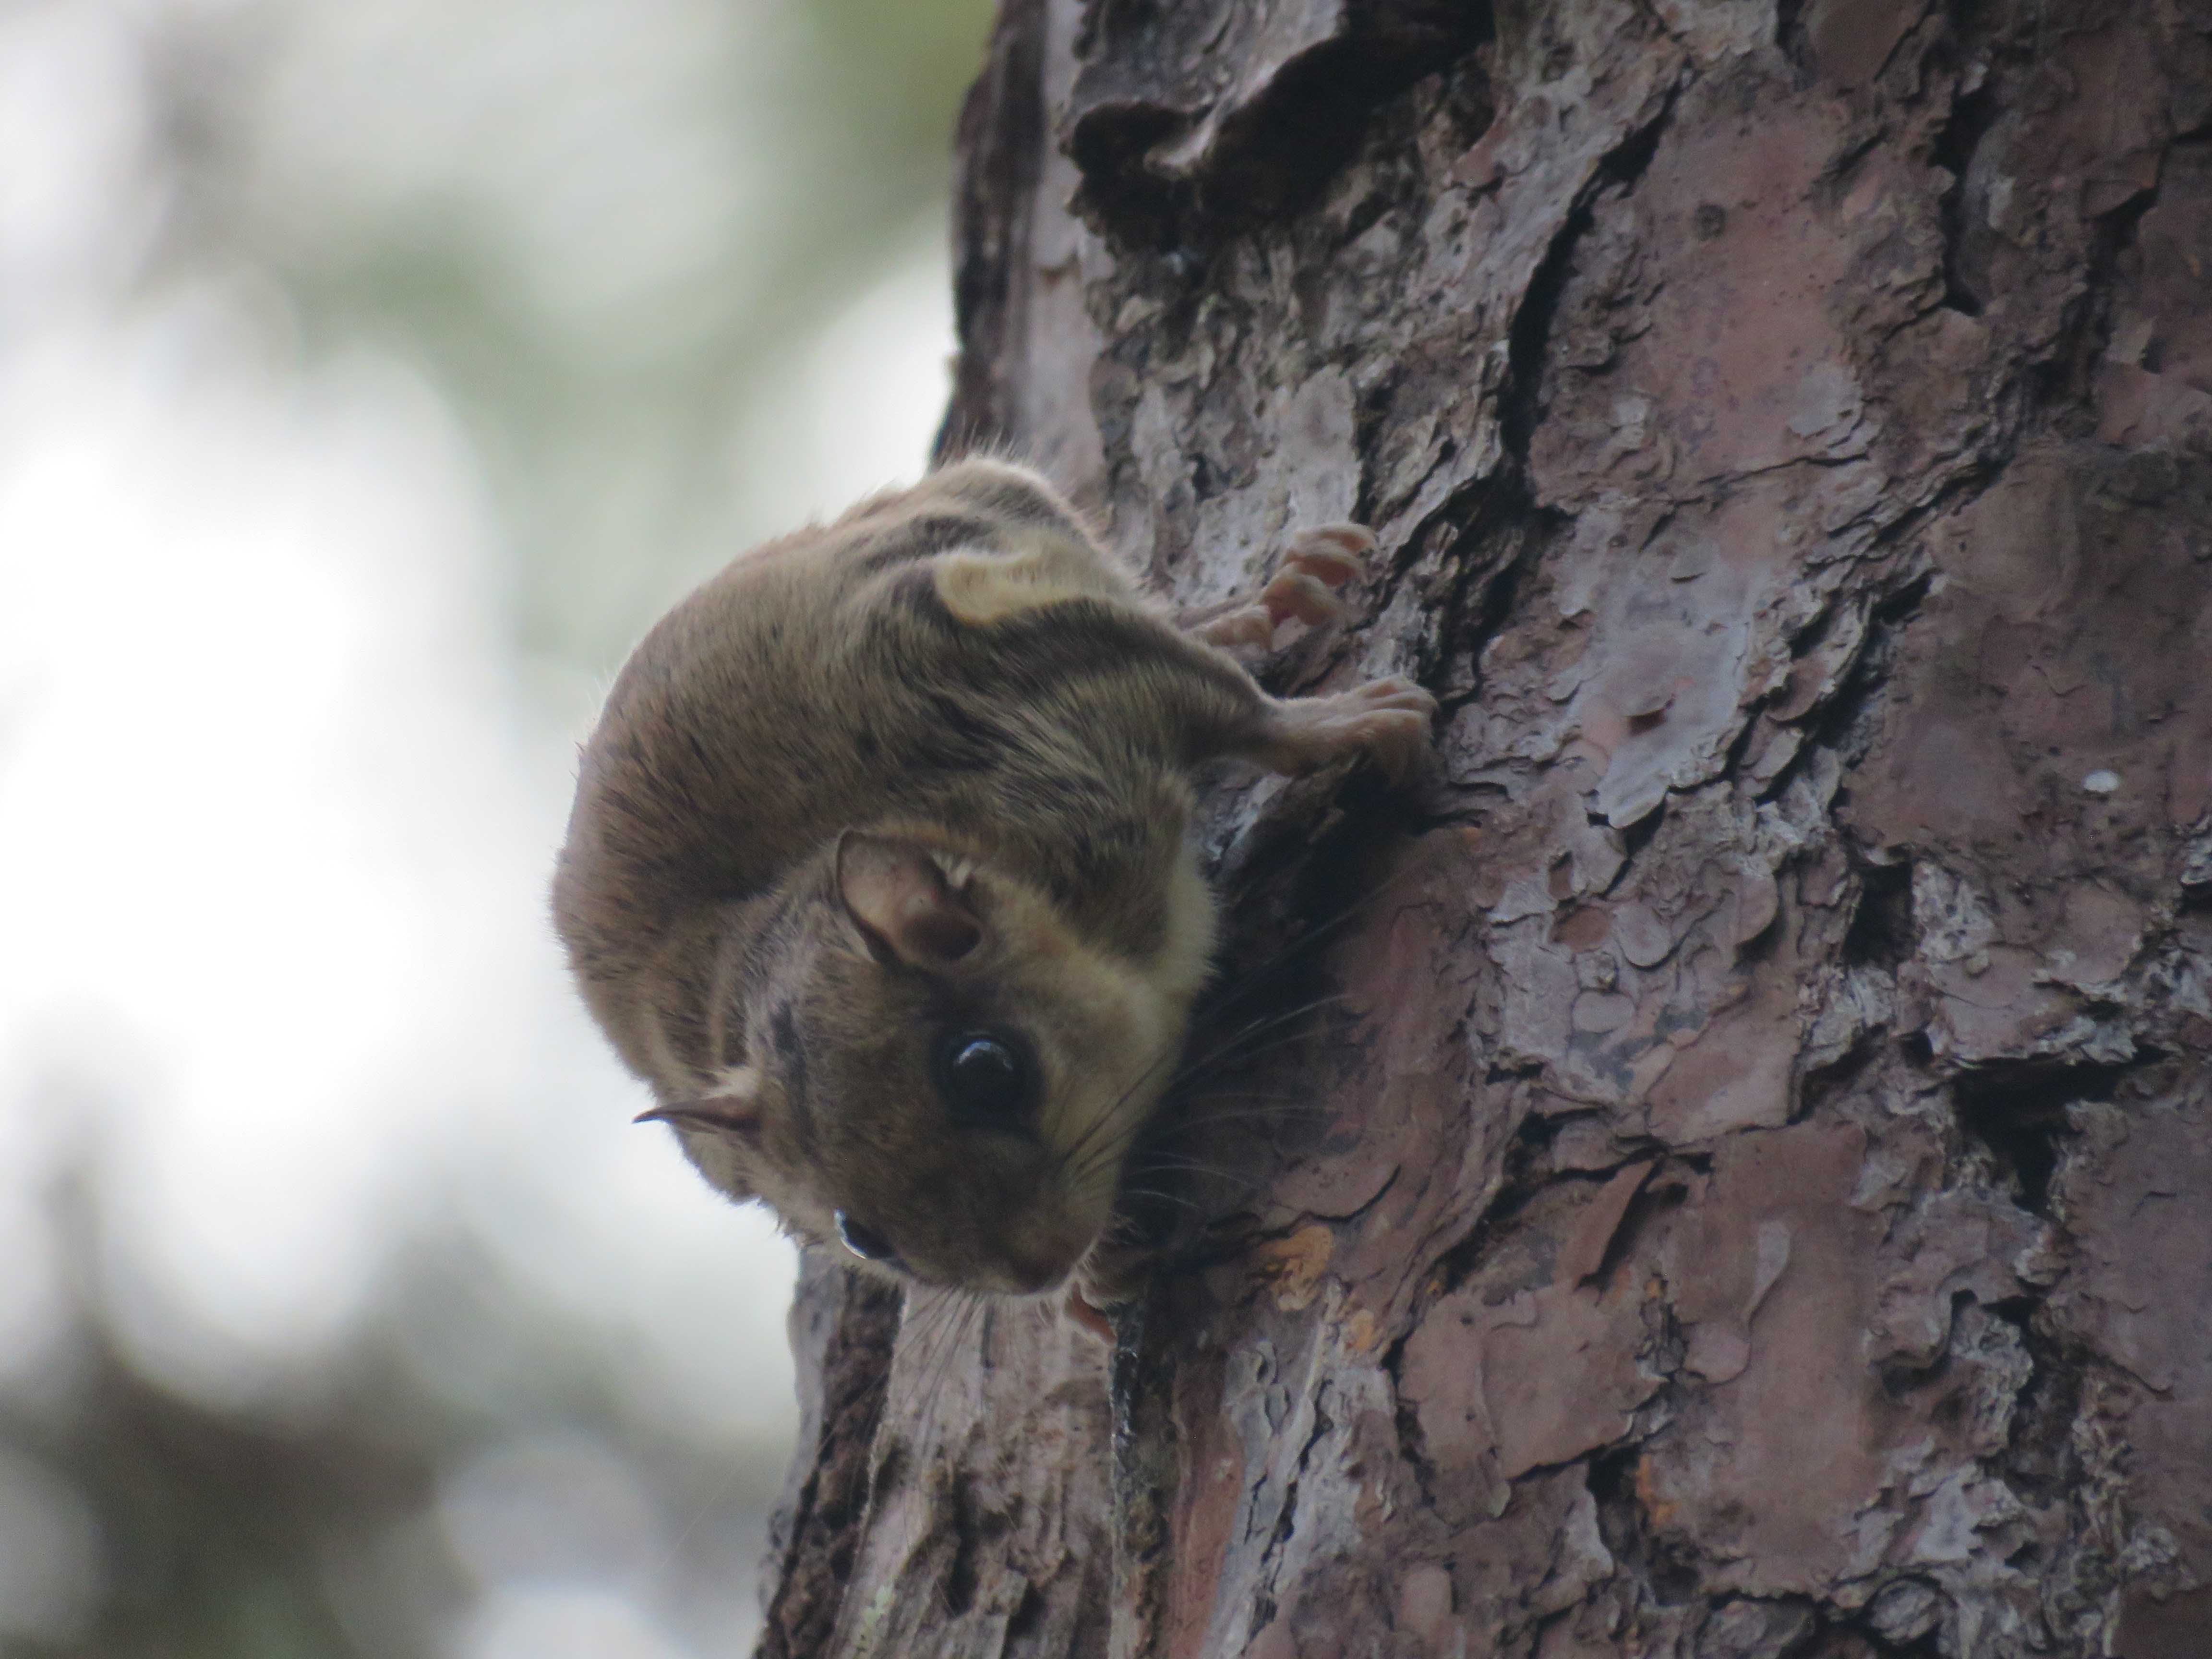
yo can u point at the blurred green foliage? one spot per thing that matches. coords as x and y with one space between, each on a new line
606 251
605 425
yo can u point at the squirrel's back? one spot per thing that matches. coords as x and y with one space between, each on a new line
889 665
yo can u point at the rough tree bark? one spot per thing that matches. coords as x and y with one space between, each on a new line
1756 1196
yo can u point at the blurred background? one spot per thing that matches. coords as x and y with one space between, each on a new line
372 372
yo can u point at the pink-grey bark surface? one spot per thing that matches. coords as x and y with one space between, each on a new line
1752 1195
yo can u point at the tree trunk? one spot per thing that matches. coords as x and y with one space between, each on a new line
1755 1195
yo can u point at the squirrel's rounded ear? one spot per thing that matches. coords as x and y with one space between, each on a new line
901 903
722 1132
733 1110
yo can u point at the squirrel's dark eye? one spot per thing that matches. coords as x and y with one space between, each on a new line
865 1242
987 1080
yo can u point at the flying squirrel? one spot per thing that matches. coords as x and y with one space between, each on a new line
879 872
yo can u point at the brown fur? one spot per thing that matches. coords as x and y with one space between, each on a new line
925 771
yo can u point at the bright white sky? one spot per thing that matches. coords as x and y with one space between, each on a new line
276 814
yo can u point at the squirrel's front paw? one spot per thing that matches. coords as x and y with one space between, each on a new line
1388 718
1304 587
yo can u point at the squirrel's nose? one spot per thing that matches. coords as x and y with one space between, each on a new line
1036 1264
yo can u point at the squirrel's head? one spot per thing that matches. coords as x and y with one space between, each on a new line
925 1060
